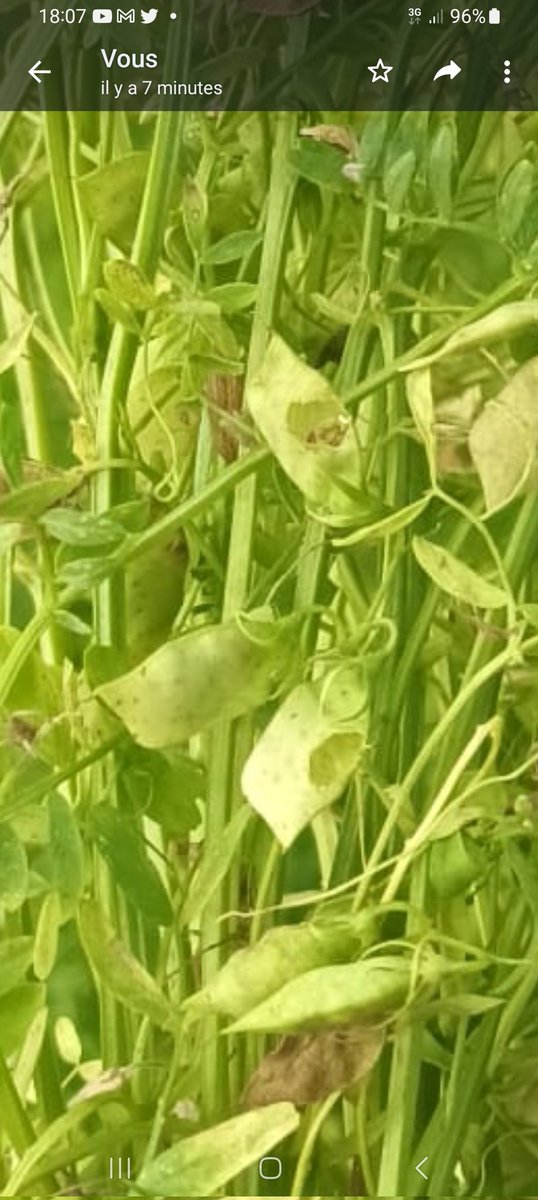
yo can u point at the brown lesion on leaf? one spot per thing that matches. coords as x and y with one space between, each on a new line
307 1068
331 135
21 729
331 434
225 400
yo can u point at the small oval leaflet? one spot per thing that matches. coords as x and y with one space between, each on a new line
128 284
13 870
120 972
15 958
122 846
302 761
504 438
215 673
307 428
454 576
46 938
66 849
18 1009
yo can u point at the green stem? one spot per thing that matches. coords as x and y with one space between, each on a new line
13 1115
57 142
222 768
303 1162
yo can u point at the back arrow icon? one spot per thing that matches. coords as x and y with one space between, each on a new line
421 1164
36 73
451 69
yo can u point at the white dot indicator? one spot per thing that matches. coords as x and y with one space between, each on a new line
173 16
507 75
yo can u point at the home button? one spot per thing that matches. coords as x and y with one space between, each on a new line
270 1167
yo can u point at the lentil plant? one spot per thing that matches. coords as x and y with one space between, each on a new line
269 653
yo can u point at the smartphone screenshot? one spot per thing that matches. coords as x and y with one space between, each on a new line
269 599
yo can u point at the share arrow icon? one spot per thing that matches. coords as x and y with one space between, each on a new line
451 70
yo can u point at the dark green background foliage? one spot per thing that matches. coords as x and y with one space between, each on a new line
269 653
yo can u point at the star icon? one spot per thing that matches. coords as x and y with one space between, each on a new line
380 73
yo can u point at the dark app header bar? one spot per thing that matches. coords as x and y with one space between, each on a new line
327 55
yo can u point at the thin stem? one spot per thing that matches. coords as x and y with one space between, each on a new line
222 775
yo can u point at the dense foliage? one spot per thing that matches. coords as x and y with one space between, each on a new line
269 653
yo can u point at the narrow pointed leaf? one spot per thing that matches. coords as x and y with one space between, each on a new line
201 1165
454 576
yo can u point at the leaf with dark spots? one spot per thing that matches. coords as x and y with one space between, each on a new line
307 1069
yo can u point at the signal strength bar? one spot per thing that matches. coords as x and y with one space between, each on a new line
438 18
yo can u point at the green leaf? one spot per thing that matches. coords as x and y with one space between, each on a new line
468 1004
453 576
12 349
24 777
303 759
321 164
111 196
443 162
202 1164
233 297
398 179
16 956
150 611
65 848
127 283
504 323
121 844
335 995
13 870
117 311
504 438
420 398
118 970
46 937
307 429
454 863
76 528
31 500
386 526
213 673
253 974
233 247
18 1009
37 687
68 620
164 787
515 197
84 573
195 213
215 864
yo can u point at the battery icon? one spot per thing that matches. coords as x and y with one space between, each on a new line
494 16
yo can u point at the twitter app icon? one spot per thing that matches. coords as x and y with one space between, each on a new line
148 15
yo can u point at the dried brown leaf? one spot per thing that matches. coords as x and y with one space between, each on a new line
305 1069
332 135
225 396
